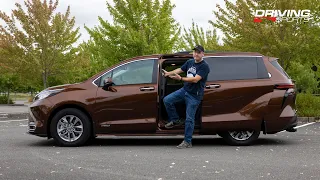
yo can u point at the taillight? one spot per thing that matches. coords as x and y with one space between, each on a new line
284 86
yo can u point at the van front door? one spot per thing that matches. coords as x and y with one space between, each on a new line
132 107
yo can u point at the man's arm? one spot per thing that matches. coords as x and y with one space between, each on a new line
191 79
202 73
186 79
177 71
170 73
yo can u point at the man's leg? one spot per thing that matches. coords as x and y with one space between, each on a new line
192 105
170 101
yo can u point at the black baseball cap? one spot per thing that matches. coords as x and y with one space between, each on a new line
199 48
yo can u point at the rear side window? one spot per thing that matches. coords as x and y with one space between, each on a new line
236 68
277 65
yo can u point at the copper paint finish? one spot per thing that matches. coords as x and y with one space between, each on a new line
235 105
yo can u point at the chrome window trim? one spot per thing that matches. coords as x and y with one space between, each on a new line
158 65
120 66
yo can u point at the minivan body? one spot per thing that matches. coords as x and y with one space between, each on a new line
245 94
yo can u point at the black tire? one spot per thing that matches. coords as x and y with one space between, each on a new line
71 115
232 140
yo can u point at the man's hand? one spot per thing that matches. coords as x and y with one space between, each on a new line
165 73
175 76
171 73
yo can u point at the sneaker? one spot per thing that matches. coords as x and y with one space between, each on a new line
174 124
184 144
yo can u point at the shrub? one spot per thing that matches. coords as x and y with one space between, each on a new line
4 100
308 105
30 99
305 78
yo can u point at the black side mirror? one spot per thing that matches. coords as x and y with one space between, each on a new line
107 85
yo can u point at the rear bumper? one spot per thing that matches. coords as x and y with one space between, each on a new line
294 123
282 123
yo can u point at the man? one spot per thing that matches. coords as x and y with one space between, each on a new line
191 93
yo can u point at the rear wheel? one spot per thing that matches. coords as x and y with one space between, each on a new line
240 138
70 127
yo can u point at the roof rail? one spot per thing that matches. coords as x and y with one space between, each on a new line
206 51
183 52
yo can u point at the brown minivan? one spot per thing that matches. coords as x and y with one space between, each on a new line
246 93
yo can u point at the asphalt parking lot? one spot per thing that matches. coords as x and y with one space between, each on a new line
281 156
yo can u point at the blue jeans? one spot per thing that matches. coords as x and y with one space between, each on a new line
192 104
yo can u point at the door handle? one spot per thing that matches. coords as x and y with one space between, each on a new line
211 86
146 88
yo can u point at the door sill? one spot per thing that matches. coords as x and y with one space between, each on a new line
174 131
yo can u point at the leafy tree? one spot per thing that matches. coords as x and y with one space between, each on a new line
139 27
8 82
304 77
196 35
81 66
290 41
43 46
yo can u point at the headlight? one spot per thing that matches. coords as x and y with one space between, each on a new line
46 93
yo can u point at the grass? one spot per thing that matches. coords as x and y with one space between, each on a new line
18 96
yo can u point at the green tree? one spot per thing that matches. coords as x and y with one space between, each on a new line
196 35
139 27
304 77
289 41
8 82
43 46
81 67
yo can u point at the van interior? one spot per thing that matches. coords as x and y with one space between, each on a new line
167 86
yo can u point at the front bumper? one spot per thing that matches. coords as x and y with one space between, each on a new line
38 116
35 127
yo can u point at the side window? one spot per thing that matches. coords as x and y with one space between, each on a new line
137 72
232 68
278 66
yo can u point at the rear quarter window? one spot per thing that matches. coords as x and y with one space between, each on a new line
276 64
236 68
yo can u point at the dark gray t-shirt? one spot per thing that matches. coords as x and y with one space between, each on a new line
192 69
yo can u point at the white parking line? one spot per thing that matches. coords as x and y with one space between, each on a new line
303 125
15 120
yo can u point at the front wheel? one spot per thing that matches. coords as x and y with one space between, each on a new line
240 138
70 127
